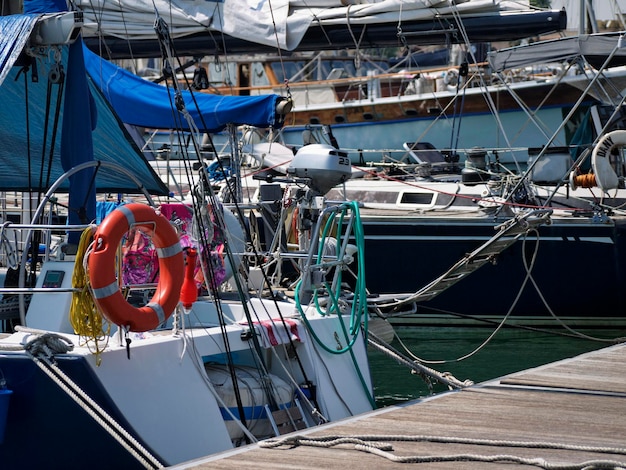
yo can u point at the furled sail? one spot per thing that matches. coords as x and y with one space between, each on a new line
117 28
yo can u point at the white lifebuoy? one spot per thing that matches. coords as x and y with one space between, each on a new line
606 178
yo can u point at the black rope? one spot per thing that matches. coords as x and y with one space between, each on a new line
166 46
57 114
58 79
165 43
24 71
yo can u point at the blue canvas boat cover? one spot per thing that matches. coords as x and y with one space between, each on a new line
31 117
15 31
142 103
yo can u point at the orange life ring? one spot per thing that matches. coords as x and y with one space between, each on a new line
102 275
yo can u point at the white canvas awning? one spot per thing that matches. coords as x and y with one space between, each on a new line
595 48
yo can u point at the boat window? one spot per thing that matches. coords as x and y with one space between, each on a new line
222 73
424 152
315 70
290 70
345 66
417 198
382 197
364 196
258 77
336 73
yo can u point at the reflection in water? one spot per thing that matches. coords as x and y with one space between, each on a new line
510 350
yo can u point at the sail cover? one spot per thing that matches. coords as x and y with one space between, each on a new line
595 48
142 103
32 102
122 28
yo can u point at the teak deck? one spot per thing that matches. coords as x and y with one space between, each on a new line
576 402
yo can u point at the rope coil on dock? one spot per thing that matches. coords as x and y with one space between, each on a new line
380 445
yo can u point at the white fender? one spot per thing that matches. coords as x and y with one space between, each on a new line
251 135
606 178
237 240
451 78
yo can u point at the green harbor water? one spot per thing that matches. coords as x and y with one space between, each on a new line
510 350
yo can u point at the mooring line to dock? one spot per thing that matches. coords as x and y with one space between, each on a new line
443 377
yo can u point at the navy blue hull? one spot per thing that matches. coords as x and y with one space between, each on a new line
579 270
47 429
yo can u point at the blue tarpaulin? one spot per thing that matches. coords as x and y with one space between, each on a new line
30 154
31 126
140 102
14 33
35 118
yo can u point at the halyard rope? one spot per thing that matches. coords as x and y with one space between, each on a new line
85 317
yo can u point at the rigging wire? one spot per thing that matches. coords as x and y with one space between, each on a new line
357 44
281 318
217 212
267 282
179 112
279 50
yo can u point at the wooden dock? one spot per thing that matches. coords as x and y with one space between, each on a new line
571 412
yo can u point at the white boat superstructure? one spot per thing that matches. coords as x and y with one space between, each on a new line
158 380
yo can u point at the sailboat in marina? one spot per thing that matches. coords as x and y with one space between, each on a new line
123 28
429 204
437 199
369 103
134 382
139 340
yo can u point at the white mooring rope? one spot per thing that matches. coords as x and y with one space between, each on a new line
42 349
380 445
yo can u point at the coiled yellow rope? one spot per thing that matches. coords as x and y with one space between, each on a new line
85 317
